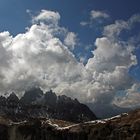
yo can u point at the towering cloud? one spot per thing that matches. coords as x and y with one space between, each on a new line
42 57
39 57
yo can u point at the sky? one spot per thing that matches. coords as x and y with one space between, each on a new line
86 49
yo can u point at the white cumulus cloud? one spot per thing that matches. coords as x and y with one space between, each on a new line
42 57
98 14
47 16
71 40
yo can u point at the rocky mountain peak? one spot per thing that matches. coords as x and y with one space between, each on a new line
13 98
35 103
50 98
31 95
2 101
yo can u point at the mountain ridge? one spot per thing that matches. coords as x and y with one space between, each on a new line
125 126
36 104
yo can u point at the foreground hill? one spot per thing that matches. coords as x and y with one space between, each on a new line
36 104
122 127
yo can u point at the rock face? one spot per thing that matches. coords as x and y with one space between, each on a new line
36 104
31 96
123 127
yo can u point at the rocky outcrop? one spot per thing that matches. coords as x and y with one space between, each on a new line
122 127
36 104
32 96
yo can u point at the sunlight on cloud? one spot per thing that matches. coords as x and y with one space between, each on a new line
39 57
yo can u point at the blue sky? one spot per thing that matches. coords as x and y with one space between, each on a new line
13 13
87 19
14 18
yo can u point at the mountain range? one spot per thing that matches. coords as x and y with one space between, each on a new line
36 104
46 116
